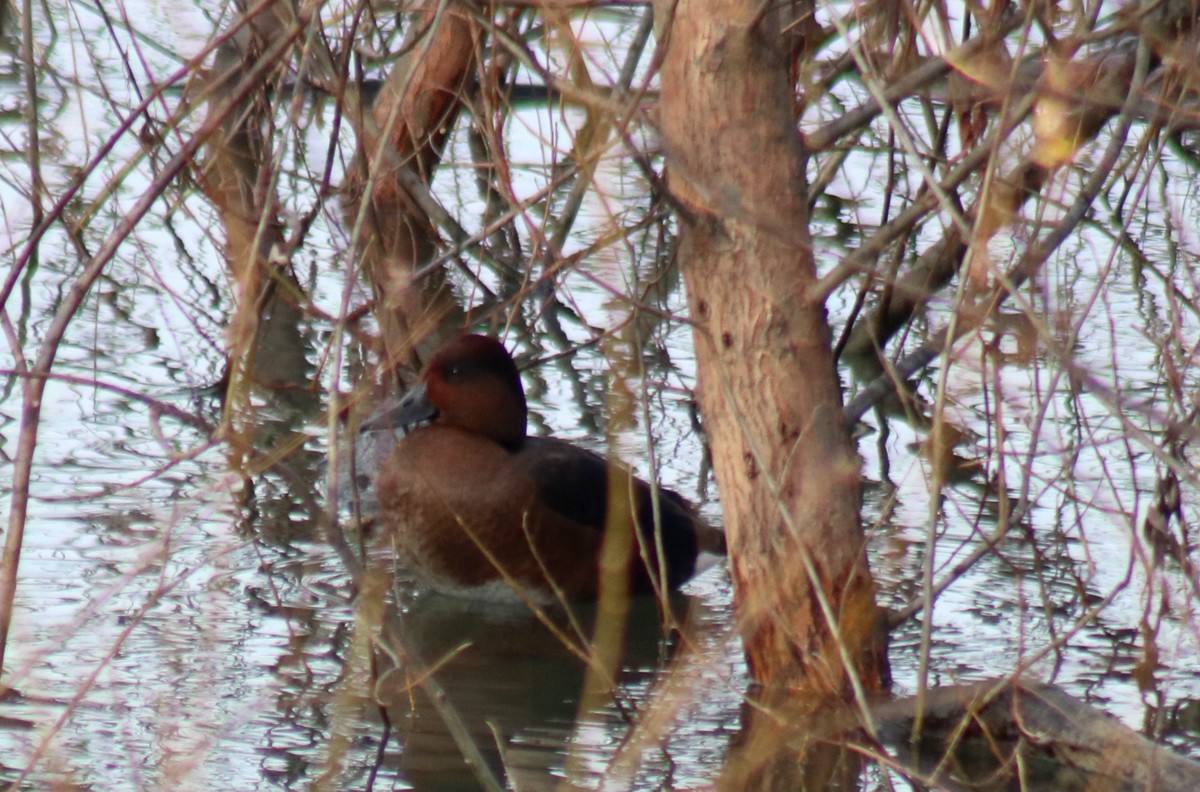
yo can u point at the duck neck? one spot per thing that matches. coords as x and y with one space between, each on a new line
514 445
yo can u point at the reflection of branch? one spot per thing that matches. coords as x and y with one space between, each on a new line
863 257
156 406
1080 95
1028 76
594 137
970 320
972 317
240 177
408 125
1166 504
72 301
399 654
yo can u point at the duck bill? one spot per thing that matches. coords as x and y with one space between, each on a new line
414 407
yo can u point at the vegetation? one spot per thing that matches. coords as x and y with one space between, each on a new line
959 234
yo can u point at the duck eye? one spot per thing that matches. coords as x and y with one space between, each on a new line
462 368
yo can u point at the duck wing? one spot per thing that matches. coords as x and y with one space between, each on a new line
573 482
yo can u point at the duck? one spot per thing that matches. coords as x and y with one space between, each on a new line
475 507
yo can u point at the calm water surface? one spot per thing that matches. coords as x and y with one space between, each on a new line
179 628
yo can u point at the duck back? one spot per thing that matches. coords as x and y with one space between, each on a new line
573 482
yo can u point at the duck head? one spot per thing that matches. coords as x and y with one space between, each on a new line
471 384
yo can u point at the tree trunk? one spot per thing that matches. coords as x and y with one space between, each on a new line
768 389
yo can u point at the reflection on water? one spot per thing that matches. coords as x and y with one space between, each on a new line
182 626
515 689
238 667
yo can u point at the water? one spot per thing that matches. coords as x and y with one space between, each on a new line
180 626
